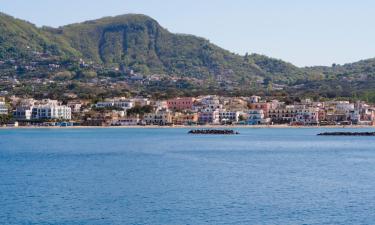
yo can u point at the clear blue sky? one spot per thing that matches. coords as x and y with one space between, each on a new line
304 32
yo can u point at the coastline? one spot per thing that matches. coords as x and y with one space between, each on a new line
195 127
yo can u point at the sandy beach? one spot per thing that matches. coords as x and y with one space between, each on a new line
192 127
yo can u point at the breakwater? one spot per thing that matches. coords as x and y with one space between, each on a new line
226 132
347 134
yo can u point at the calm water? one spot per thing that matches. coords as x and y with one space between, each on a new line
164 176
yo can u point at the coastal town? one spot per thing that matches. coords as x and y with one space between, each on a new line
183 111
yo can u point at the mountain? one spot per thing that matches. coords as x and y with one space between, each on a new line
139 43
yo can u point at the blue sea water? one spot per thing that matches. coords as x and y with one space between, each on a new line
165 176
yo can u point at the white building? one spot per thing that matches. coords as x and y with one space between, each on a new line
51 109
209 100
307 116
228 116
116 102
24 109
42 110
105 104
3 107
254 99
124 104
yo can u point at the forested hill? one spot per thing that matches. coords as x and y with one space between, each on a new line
138 42
19 38
352 71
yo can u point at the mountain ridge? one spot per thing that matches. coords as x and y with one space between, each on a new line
137 42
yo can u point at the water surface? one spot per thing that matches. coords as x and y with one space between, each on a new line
165 176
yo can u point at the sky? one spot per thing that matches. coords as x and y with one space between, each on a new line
303 32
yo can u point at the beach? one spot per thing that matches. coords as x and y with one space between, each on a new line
190 127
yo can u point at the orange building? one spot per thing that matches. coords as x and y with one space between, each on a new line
185 119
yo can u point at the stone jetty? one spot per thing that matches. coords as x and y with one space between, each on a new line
226 132
347 134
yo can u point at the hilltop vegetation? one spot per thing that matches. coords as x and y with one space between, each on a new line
19 38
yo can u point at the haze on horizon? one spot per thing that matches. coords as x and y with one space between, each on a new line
305 33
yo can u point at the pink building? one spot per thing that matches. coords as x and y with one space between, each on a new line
180 103
265 106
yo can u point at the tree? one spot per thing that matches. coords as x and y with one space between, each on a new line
64 75
246 57
4 119
140 110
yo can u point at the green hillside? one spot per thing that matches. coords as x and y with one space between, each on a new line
139 43
18 39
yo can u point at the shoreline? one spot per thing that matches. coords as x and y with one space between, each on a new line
195 127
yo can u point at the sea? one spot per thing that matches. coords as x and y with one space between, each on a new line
167 176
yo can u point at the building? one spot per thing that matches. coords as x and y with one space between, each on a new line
342 112
161 105
51 109
42 110
130 121
105 104
180 104
140 101
209 117
285 114
101 119
124 104
3 107
265 106
256 117
254 99
158 118
229 116
22 113
307 116
209 103
23 109
75 106
120 103
185 119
